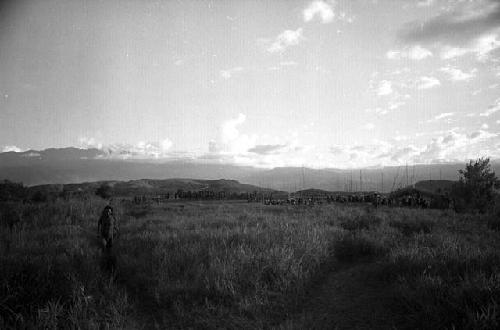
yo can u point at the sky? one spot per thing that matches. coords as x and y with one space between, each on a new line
344 83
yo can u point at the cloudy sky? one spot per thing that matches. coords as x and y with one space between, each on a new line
345 83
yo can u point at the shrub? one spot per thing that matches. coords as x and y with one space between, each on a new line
39 197
104 191
475 188
11 191
412 226
354 246
493 222
365 221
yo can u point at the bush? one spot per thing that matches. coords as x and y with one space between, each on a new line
11 191
365 221
493 222
39 197
104 191
475 188
412 226
352 247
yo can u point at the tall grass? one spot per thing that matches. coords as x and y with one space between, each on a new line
237 265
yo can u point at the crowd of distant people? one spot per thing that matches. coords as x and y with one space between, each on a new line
375 199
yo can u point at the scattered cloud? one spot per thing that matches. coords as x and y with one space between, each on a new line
465 27
286 39
416 52
231 140
464 22
368 126
288 63
442 116
482 47
266 149
378 111
427 82
89 142
495 107
229 73
165 145
319 10
456 74
384 88
457 146
393 105
425 3
11 149
140 150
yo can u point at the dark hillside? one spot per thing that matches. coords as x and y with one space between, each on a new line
154 187
434 186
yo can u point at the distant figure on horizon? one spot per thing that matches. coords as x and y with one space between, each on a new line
107 228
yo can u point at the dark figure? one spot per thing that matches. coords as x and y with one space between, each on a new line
107 227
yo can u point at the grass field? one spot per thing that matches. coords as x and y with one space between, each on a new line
217 265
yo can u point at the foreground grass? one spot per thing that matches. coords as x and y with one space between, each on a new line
239 265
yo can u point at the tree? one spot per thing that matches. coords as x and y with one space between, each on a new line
104 191
476 186
39 196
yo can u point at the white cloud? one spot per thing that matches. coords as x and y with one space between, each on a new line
230 139
425 3
139 150
491 109
89 142
427 82
378 111
393 105
481 47
11 149
456 74
288 63
384 88
443 115
485 126
320 10
393 54
165 145
455 146
227 74
286 39
368 126
416 52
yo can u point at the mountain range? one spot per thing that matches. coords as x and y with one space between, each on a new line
74 165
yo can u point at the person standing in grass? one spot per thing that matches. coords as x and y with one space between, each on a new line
107 227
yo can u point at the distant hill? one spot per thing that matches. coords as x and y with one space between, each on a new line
156 187
73 165
434 186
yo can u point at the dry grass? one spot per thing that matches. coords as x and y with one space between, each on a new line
238 265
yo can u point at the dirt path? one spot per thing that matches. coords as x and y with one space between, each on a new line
347 298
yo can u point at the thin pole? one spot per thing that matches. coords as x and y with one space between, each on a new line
382 186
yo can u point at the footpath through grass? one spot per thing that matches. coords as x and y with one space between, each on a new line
238 265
